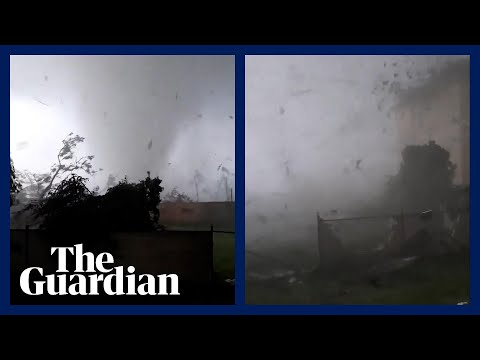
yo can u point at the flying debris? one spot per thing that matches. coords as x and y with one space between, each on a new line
357 164
199 116
149 145
301 92
219 167
104 114
46 78
176 96
41 102
169 163
22 145
282 110
426 215
231 117
287 169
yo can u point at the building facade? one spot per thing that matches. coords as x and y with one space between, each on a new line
439 110
198 215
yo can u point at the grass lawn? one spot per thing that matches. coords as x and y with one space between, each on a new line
435 280
224 255
223 250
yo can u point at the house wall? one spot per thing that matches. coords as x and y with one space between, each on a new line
440 117
198 215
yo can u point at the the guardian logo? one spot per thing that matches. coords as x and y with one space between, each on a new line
79 283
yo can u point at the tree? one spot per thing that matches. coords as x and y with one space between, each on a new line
15 185
198 179
72 210
69 207
111 181
33 184
224 184
66 164
425 179
174 196
133 206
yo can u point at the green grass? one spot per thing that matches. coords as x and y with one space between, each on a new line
223 250
430 281
224 255
440 280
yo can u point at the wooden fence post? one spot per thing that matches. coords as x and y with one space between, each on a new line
402 228
319 240
212 266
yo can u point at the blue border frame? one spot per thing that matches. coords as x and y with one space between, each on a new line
239 51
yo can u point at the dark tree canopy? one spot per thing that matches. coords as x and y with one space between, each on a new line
133 206
15 185
72 209
40 185
425 178
175 196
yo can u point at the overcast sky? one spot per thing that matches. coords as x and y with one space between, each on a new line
185 105
318 132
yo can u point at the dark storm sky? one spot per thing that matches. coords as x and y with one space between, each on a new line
309 120
184 105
